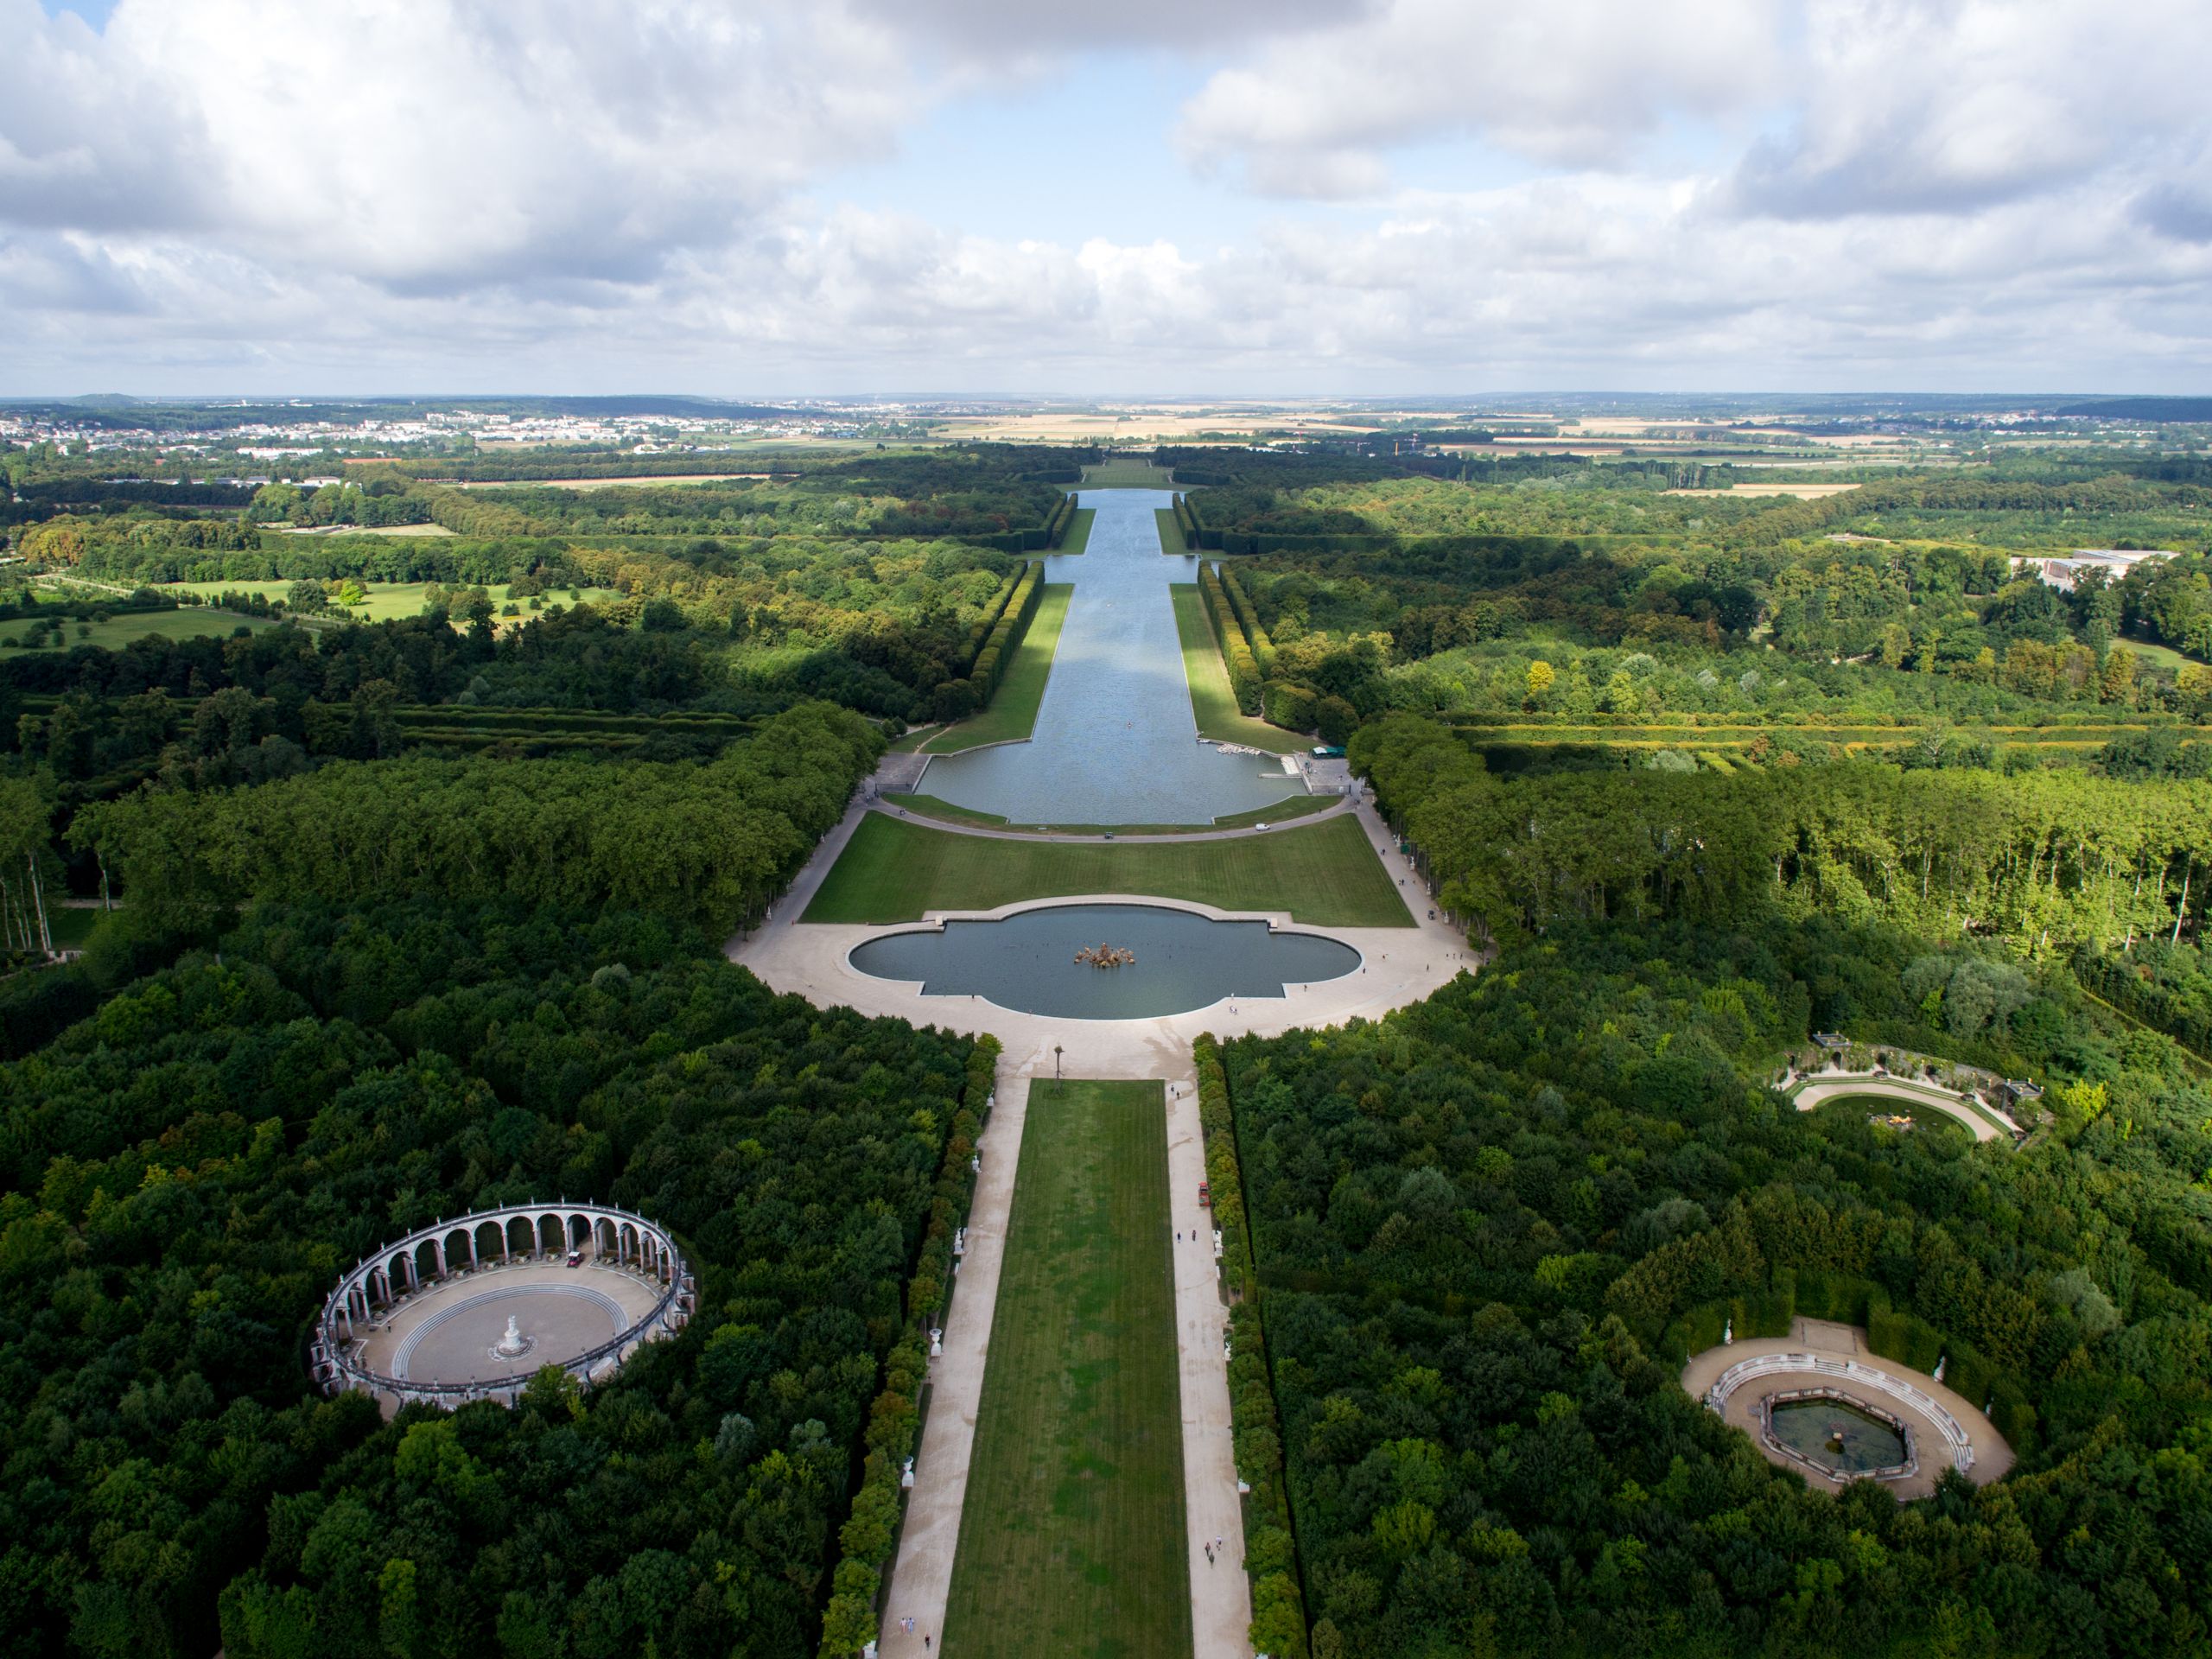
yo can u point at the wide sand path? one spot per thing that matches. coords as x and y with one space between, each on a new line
1221 1597
923 1577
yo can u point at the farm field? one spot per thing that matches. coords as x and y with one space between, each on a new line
895 870
1211 700
1071 1533
195 623
334 530
1012 714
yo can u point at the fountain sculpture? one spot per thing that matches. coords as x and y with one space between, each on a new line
514 1344
1106 956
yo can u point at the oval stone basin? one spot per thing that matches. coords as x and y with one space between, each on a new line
1181 961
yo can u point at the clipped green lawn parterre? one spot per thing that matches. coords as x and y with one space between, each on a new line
894 869
1170 533
1298 806
1013 712
1072 1529
1211 700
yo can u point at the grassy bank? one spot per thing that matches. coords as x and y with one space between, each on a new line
929 806
1072 1534
1170 533
1077 539
1211 700
894 869
1013 711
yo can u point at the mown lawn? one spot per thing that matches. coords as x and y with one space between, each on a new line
1077 539
1170 533
1072 1534
197 622
1298 806
1013 711
1211 700
894 869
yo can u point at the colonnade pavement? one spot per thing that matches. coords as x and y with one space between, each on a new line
1992 1455
1402 965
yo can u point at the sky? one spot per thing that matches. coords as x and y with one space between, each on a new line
1144 199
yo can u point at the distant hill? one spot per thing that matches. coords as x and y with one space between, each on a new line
2144 408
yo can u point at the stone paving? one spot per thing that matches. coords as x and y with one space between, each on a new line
1991 1456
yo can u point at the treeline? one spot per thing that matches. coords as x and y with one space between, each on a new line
187 1172
1487 1228
708 844
2040 861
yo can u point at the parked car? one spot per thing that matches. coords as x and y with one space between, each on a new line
575 1258
1205 1196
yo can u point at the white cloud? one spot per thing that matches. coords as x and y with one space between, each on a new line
579 195
1943 105
1575 83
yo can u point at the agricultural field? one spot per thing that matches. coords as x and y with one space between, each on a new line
1071 1533
894 870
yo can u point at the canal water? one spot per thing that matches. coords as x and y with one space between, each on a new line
1028 962
1115 741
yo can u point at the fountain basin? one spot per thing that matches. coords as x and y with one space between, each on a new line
1027 962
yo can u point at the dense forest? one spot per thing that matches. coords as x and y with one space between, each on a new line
1487 1230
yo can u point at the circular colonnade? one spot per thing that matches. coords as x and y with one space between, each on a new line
472 1308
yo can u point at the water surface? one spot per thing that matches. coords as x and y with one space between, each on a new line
1027 962
1809 1427
1115 741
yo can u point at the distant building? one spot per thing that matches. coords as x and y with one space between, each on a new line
2061 570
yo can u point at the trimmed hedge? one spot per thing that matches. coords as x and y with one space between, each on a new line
997 654
1270 1540
895 1419
1236 652
1294 708
1264 649
980 635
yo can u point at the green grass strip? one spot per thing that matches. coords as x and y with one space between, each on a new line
1072 1531
1211 700
894 869
1170 533
929 806
1078 538
1013 712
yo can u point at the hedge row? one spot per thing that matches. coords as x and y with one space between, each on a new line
1187 520
979 635
1270 1544
1056 527
1264 649
1236 650
997 654
895 1420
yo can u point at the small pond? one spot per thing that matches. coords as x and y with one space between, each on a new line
1833 1434
1181 961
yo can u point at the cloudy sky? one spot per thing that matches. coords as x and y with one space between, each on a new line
1145 197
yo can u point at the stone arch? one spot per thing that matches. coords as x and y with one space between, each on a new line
484 1242
603 1239
549 1233
460 1250
579 1231
424 1262
520 1243
629 1238
399 1273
